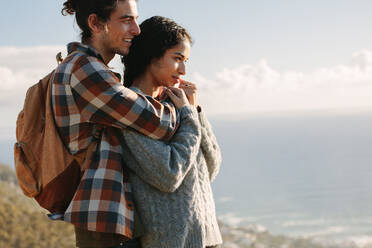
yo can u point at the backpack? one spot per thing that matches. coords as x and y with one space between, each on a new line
45 169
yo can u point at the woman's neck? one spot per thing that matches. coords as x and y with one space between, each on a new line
146 85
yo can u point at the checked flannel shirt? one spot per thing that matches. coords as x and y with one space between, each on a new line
86 93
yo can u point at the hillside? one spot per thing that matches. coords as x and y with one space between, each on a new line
23 223
7 174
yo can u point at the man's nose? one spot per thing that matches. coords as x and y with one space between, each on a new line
136 30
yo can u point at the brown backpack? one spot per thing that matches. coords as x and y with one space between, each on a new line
45 169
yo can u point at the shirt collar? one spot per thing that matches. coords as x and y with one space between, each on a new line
77 46
84 48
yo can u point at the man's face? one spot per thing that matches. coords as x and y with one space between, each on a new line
121 28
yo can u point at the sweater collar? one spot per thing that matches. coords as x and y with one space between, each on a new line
135 89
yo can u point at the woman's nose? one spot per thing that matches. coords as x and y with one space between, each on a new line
182 69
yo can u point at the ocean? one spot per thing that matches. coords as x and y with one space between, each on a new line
298 174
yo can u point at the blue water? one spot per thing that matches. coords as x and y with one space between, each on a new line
304 174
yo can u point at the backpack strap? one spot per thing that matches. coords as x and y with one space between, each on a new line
41 85
84 158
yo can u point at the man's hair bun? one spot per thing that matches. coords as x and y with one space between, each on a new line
69 7
83 8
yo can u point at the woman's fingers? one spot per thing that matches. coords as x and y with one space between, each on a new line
176 91
188 87
171 95
190 91
177 96
187 84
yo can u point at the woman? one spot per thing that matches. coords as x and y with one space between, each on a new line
171 180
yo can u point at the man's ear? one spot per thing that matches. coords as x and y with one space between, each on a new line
95 25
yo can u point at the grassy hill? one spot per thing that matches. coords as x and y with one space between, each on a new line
7 174
24 224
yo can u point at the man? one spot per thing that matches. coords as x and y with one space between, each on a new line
86 94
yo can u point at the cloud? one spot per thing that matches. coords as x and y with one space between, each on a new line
247 88
259 87
21 67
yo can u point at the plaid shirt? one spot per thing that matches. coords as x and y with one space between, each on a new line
87 93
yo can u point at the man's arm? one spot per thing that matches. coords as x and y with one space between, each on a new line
101 98
164 165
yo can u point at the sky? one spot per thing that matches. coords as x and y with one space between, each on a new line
248 56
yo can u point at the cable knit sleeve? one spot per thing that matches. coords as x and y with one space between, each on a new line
210 147
164 164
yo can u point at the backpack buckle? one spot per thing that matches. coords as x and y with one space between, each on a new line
59 58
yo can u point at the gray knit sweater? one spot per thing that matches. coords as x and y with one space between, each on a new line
171 184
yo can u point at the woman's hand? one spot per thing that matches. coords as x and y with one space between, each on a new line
177 96
191 91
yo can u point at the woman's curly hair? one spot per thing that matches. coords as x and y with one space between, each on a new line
158 34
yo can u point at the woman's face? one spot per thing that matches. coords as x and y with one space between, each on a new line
168 69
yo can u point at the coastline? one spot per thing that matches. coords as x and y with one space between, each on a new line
257 236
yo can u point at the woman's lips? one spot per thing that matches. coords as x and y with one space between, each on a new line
178 79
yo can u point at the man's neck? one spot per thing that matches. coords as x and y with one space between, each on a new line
106 55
